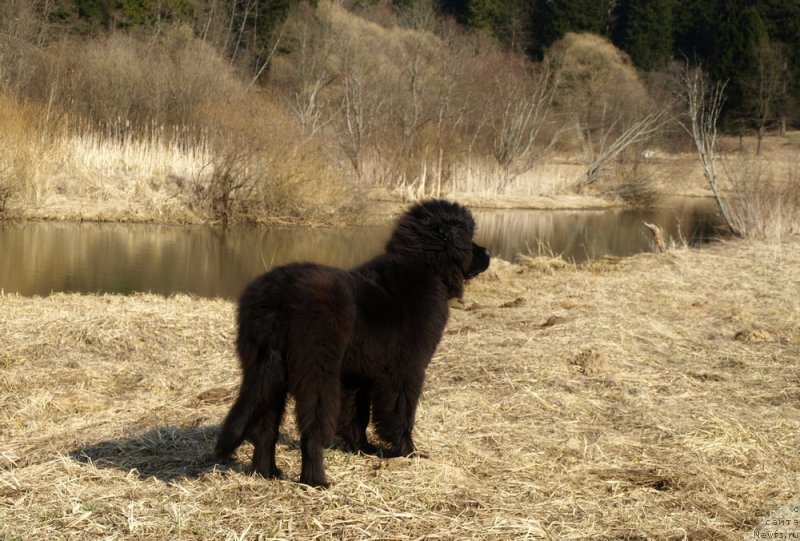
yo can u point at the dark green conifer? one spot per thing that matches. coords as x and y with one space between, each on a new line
643 29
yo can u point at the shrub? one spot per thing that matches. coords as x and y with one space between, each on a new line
637 179
263 167
764 201
21 148
637 191
606 101
121 79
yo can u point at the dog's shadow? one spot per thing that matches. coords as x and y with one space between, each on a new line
167 453
170 453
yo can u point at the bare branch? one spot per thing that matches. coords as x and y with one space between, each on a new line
267 60
640 131
703 107
519 129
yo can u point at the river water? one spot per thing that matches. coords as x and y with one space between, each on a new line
37 258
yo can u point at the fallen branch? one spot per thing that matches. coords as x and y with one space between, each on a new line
659 237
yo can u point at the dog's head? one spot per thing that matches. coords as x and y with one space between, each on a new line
440 234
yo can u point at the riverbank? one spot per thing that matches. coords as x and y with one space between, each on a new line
104 180
94 179
373 207
649 397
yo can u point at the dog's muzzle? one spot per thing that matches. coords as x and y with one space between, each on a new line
480 261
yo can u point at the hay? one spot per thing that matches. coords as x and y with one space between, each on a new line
620 400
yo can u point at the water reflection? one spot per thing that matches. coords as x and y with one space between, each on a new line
589 234
39 258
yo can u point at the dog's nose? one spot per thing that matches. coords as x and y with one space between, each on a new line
488 252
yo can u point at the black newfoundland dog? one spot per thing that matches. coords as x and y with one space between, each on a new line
349 345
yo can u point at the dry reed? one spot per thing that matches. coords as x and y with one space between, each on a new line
764 196
647 398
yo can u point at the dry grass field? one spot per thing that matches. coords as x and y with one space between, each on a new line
656 397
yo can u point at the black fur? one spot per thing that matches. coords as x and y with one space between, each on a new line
349 345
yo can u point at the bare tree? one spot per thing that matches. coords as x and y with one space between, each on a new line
312 42
360 106
520 139
241 31
610 105
449 107
247 8
416 74
420 15
615 136
265 62
514 29
703 107
355 119
766 85
410 111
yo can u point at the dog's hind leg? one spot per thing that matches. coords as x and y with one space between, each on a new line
317 396
264 435
316 416
354 419
267 420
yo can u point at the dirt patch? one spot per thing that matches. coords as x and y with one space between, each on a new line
753 335
591 362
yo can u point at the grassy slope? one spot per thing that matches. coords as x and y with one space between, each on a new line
654 397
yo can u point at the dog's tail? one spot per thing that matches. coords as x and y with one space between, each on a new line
264 377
